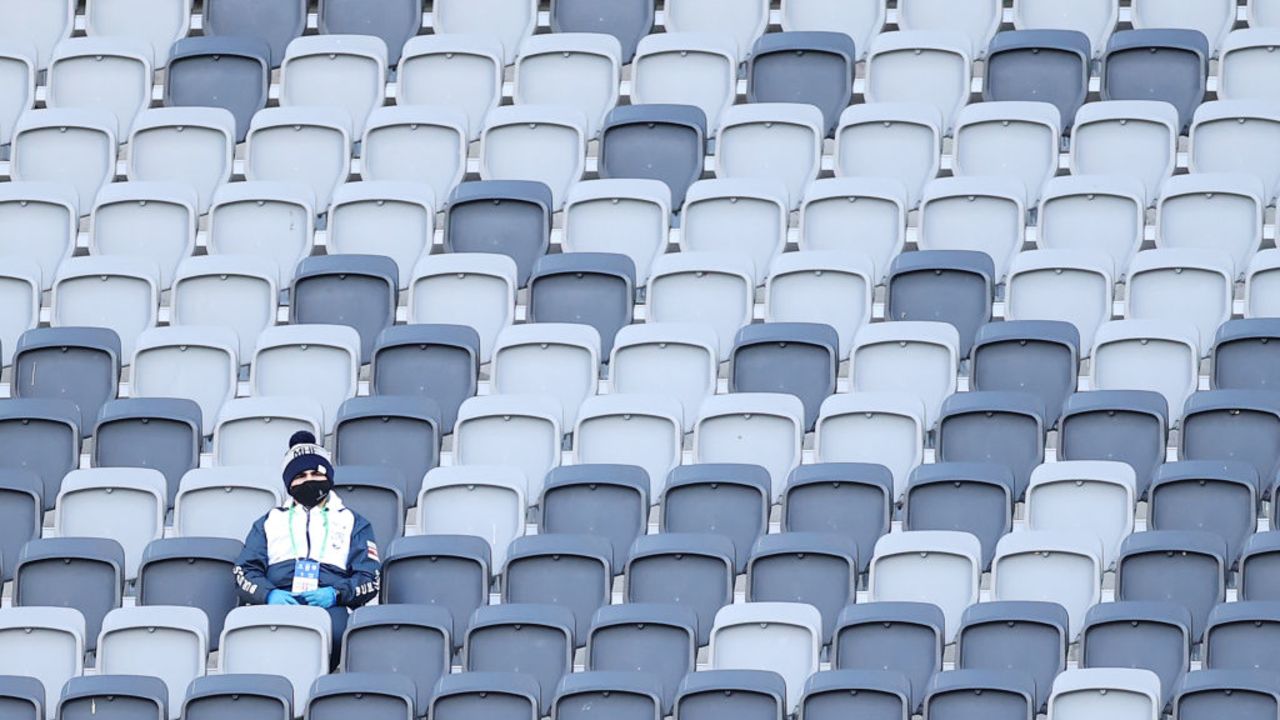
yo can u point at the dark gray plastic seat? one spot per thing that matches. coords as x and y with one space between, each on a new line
401 432
853 500
655 142
596 289
608 696
80 364
905 637
358 291
159 433
21 698
408 640
607 501
814 68
274 23
695 571
1040 66
1041 357
441 362
798 567
660 639
377 493
1206 495
843 694
114 697
799 359
980 695
1243 636
1233 425
85 574
628 20
41 437
1235 694
951 286
1129 426
486 696
731 695
1246 355
571 571
1153 636
21 513
244 697
1260 567
374 696
191 572
726 499
395 21
233 73
1006 428
976 498
1170 65
449 571
532 639
1030 637
1186 568
507 217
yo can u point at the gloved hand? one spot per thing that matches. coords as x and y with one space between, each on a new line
325 597
280 597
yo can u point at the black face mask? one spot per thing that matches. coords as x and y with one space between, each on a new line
310 494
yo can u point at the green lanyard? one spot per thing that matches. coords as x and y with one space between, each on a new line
293 542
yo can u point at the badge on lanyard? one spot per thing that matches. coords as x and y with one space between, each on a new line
306 575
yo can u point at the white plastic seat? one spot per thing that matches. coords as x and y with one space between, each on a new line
1050 566
159 23
38 224
313 361
106 73
828 287
642 430
578 70
743 20
486 501
227 291
913 358
765 429
625 216
120 293
1013 139
42 25
1187 285
1238 136
1262 285
1073 286
921 66
460 71
865 216
46 643
250 431
976 19
682 68
747 217
193 362
1262 13
1214 18
310 146
160 641
1090 497
68 145
1096 213
714 289
522 431
345 70
891 140
1095 18
19 303
225 502
416 144
861 20
289 641
986 214
190 145
473 289
678 360
148 220
510 21
873 427
782 637
544 143
269 220
124 504
1106 694
561 360
393 219
1158 355
1246 61
1133 138
772 141
17 84
931 566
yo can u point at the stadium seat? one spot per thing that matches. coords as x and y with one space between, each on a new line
79 364
886 429
782 637
119 293
861 21
20 294
627 22
327 373
621 695
567 570
437 362
355 291
821 286
145 220
983 214
212 292
766 429
250 431
269 221
717 498
853 501
799 359
809 67
656 639
1130 426
1091 693
799 567
1243 63
951 286
229 72
1238 137
714 290
1233 426
461 72
276 26
41 436
1236 636
1047 566
72 146
22 512
605 501
85 575
890 140
510 217
348 71
159 433
46 645
1258 578
41 27
693 571
535 143
952 560
1213 19
1169 65
534 639
194 363
746 217
1087 498
1209 693
510 21
977 20
976 498
18 80
905 638
224 502
476 290
289 641
983 693
1260 296
359 693
835 694
260 697
719 694
1242 355
688 68
653 142
22 697
1040 357
387 218
1026 637
907 357
522 431
574 70
922 66
1039 65
169 643
1183 567
481 501
394 21
559 360
1095 213
407 640
190 573
1005 428
38 223
138 695
1191 286
643 431
1128 138
463 696
770 141
415 144
310 146
377 493
124 504
625 217
1151 636
593 289
1159 355
101 73
1012 138
1228 205
446 571
742 20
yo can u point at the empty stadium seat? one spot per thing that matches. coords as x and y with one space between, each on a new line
1025 637
766 429
168 643
1159 355
40 221
47 645
460 71
20 291
743 21
1205 694
1013 138
415 144
1130 138
909 357
250 431
1129 426
883 140
376 493
289 641
190 573
85 575
821 286
22 698
688 68
606 501
401 433
223 502
951 286
80 364
799 567
41 27
159 433
22 510
1233 426
229 72
567 570
747 217
838 693
522 431
1151 636
1006 428
487 502
275 26
976 498
849 500
719 498
387 218
902 561
327 374
1183 567
102 73
1241 355
810 67
440 362
1163 64
195 363
622 695
1039 65
74 146
310 146
559 360
659 640
712 289
470 289
119 293
627 217
860 21
1228 205
538 143
922 66
1189 285
644 431
357 693
1260 285
1236 636
770 141
594 289
1087 693
1048 566
991 693
984 214
41 436
1085 497
905 638
261 697
692 572
149 221
348 71
653 142
511 21
355 291
1095 213
799 359
715 694
781 637
977 20
463 695
1258 577
1213 19
536 640
212 296
577 70
408 640
270 221
1238 137
138 695
124 504
510 217
1036 356
883 428
1243 63
394 22
447 571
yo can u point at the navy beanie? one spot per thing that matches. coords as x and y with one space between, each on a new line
305 455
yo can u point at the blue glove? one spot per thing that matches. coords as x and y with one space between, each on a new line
325 597
280 597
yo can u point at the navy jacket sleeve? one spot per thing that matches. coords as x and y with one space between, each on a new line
251 567
364 567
